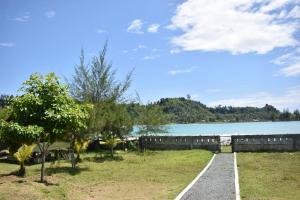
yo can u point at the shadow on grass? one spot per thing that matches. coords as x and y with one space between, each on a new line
65 170
13 173
146 153
103 157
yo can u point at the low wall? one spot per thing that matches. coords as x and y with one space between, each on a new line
211 143
255 143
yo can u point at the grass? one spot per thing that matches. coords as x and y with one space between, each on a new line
226 149
130 175
267 176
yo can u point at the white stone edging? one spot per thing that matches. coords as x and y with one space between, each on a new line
195 179
236 180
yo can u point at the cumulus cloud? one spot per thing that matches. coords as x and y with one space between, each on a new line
290 99
153 28
135 26
7 44
235 26
23 18
50 14
182 71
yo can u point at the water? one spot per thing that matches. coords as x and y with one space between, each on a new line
245 128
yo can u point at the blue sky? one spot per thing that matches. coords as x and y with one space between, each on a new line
220 52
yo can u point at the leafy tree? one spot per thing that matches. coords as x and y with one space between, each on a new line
23 153
5 100
110 120
44 113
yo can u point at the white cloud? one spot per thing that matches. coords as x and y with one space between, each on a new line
182 71
291 63
50 14
295 12
292 70
174 51
100 31
151 57
290 99
135 26
141 46
153 28
236 26
7 44
125 51
23 18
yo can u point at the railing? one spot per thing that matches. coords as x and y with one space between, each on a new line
254 143
180 142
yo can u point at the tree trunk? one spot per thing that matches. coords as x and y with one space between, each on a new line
78 159
43 164
21 171
73 161
112 151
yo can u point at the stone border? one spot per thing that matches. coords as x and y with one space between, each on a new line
236 180
195 179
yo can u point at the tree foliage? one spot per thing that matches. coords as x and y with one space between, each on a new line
44 113
23 153
96 81
150 121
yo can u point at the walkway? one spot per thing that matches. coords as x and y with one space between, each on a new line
217 182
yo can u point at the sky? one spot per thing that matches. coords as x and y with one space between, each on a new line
233 52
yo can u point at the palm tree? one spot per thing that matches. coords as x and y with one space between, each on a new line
111 142
23 153
80 146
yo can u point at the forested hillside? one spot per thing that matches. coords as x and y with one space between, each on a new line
183 110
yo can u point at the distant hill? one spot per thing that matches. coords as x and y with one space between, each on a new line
183 110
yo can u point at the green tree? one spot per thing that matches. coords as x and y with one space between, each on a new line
23 153
44 113
151 120
97 81
297 114
113 121
80 146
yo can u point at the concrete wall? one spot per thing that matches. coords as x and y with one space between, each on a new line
255 143
211 143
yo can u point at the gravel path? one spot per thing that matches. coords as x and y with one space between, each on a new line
217 182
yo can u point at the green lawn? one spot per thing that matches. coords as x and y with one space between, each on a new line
273 176
159 175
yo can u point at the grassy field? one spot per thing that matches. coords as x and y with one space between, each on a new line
159 175
273 176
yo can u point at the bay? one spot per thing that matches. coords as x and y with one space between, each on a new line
243 128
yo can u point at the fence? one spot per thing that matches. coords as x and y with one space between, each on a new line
255 143
211 143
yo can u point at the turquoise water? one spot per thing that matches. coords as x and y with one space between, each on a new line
247 128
